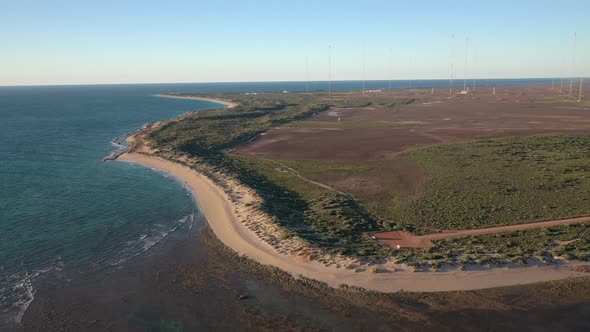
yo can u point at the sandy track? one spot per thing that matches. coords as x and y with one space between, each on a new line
407 240
502 229
217 208
319 184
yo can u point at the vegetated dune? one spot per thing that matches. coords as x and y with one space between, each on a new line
227 219
219 211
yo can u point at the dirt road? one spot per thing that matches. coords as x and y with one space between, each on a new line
398 239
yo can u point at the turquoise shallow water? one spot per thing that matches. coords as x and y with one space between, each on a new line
61 207
65 211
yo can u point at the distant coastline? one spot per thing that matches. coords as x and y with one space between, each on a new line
226 103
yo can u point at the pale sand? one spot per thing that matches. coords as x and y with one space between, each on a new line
224 218
226 103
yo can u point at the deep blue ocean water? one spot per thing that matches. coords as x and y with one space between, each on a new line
64 210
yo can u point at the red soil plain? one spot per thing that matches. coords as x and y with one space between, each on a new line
381 132
431 119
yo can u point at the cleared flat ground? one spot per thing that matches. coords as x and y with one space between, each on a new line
374 133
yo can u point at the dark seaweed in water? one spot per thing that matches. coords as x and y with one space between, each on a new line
193 283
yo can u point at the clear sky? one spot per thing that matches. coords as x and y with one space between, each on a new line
75 42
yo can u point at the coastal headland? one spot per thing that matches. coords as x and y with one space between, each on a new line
226 103
237 215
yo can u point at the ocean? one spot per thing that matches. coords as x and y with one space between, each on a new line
67 213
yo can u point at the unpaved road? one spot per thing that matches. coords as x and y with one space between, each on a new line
502 229
407 240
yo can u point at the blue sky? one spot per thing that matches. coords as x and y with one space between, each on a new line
77 42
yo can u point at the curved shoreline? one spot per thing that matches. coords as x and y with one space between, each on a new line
226 103
219 211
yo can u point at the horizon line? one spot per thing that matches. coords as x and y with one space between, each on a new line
296 81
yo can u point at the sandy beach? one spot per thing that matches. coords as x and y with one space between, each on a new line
222 216
226 103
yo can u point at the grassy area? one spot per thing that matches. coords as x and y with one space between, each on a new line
504 248
508 181
479 184
352 102
496 182
209 132
476 184
322 217
379 185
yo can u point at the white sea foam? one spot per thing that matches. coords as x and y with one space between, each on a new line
154 236
120 143
16 294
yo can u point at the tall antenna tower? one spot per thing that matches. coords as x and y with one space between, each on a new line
330 71
306 74
452 60
561 84
563 45
465 68
364 56
573 64
474 51
390 67
409 78
561 73
580 91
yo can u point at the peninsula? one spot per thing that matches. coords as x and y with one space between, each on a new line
291 180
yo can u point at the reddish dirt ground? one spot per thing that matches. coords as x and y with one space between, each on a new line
398 174
436 119
400 240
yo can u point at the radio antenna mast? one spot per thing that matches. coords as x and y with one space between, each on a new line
330 71
409 78
474 59
307 74
561 73
364 51
390 67
452 60
465 69
573 64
